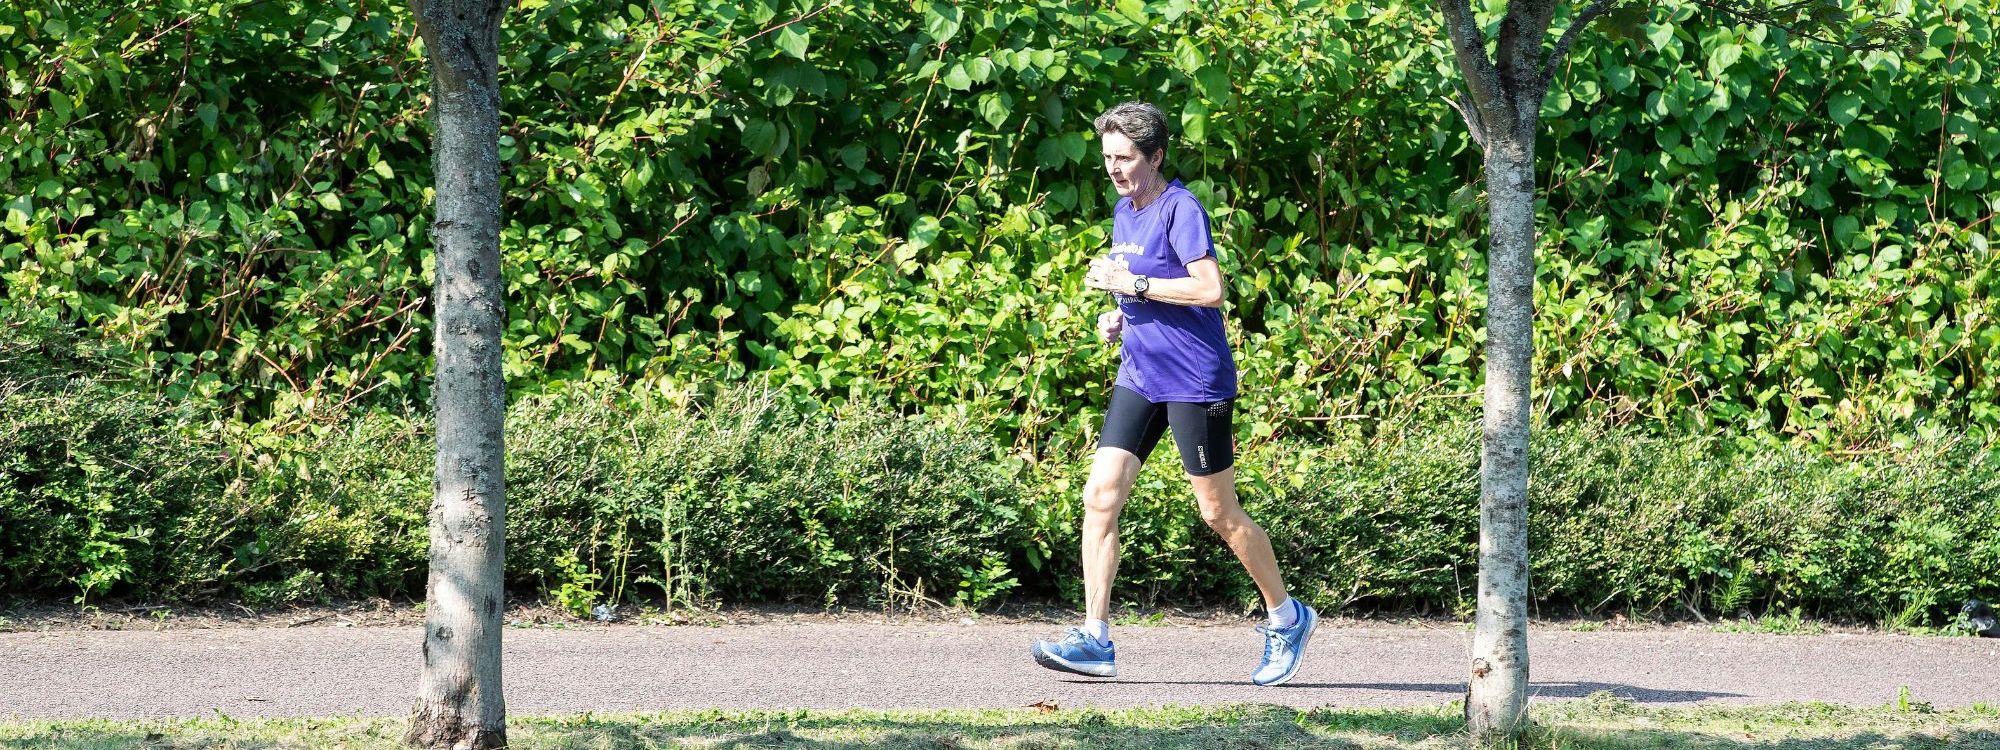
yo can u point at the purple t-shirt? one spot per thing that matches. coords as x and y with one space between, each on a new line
1171 352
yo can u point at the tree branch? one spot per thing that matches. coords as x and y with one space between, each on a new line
1521 34
1887 35
1576 25
1518 60
1469 50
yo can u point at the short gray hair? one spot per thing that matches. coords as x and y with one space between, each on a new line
1144 123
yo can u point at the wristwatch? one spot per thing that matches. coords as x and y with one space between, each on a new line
1139 285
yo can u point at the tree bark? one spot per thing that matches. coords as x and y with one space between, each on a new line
1496 700
459 700
1503 111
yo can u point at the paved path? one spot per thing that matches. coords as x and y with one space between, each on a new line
373 671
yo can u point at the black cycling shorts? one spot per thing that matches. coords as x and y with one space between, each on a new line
1201 430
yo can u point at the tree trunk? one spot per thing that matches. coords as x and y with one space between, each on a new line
459 702
1496 701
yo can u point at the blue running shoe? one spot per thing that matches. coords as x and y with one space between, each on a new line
1285 648
1078 653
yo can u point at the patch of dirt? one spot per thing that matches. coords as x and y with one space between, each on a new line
32 616
37 616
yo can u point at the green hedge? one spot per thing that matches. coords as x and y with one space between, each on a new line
638 496
897 200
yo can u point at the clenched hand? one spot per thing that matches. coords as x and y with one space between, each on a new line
1110 325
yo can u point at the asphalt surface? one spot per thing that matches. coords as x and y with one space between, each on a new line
318 671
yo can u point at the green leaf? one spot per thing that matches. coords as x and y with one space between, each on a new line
1555 103
853 155
995 107
329 201
793 41
1465 197
1659 35
1188 57
1724 56
1134 10
1075 147
635 179
1194 122
1844 229
1617 78
1956 173
62 105
1214 83
759 136
1050 152
980 69
957 79
1844 107
923 233
941 21
19 211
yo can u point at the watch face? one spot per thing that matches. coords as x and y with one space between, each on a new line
1139 285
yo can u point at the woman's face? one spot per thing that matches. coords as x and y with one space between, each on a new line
1131 172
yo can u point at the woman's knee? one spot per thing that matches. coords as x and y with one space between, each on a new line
1103 497
1222 516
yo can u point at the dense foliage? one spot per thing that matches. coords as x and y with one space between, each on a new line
897 199
882 211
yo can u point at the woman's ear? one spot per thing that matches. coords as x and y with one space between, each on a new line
1159 159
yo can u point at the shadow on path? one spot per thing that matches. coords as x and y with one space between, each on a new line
1535 690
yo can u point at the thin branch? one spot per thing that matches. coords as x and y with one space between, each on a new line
1582 20
724 57
1471 115
1771 17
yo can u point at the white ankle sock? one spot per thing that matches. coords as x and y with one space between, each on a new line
1286 614
1098 629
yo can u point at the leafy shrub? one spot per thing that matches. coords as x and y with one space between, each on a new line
751 498
100 486
895 200
616 496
